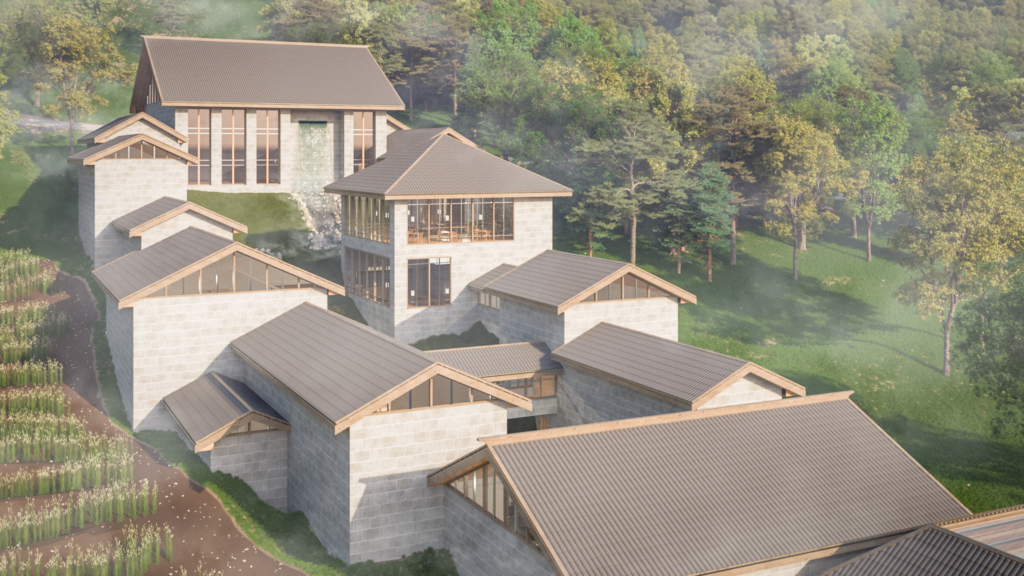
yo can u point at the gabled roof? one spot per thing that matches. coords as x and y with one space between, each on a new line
933 551
340 369
1002 529
395 123
507 361
209 407
140 273
402 140
90 155
560 280
706 490
159 211
111 128
257 74
666 367
446 167
491 276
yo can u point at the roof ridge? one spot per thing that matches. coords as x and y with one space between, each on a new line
982 515
376 334
248 41
220 382
433 142
645 421
479 149
669 340
491 346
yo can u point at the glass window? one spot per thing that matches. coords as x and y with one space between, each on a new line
199 145
485 489
460 393
367 217
460 220
175 288
442 391
216 277
268 151
500 499
628 287
368 275
420 396
363 132
480 488
440 281
401 403
190 285
232 145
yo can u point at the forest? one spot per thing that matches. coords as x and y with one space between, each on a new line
676 122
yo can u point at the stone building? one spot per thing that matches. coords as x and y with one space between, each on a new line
130 163
166 217
426 220
174 307
267 116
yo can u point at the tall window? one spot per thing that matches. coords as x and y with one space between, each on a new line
368 275
199 145
484 488
232 145
436 391
462 220
367 217
234 273
268 147
363 132
430 282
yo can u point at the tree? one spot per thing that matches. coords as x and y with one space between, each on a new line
872 135
707 215
79 58
21 41
806 169
637 162
732 118
966 204
992 352
595 216
8 118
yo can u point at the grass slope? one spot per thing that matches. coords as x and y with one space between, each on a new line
840 328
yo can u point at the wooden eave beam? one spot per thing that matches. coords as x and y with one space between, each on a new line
141 117
824 552
284 106
91 160
208 441
536 194
523 375
236 227
748 369
660 283
458 468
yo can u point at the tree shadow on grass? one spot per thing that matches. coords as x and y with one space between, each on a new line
858 244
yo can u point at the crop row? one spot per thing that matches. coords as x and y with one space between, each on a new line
111 503
16 264
96 468
21 287
49 400
131 556
31 373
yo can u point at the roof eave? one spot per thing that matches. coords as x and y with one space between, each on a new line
286 105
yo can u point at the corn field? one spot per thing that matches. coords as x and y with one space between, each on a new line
104 461
32 373
131 556
21 273
35 401
112 503
39 437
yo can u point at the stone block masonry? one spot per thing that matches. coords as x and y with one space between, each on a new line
393 511
747 390
120 337
318 467
524 323
654 316
258 458
179 338
482 547
587 399
112 188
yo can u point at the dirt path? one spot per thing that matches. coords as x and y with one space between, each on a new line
37 124
203 530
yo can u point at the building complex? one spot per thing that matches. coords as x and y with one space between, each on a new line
650 456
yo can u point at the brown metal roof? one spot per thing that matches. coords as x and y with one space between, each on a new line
93 153
487 278
440 166
135 271
499 360
1002 529
111 128
139 273
158 211
212 402
341 369
933 551
553 278
250 73
705 490
659 364
401 140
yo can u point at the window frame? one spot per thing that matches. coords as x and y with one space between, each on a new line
359 154
429 295
512 508
358 288
234 166
198 136
268 169
300 284
422 229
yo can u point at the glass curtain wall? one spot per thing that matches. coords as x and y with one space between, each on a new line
363 135
367 217
436 391
542 386
368 275
141 150
629 287
268 147
234 273
199 145
232 145
461 220
485 489
430 281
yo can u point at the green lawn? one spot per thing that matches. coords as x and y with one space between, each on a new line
840 328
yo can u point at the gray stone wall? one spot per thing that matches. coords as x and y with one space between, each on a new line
490 317
747 390
586 399
469 260
258 458
381 131
393 511
378 316
481 546
117 188
179 338
318 467
655 316
525 323
121 338
166 115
